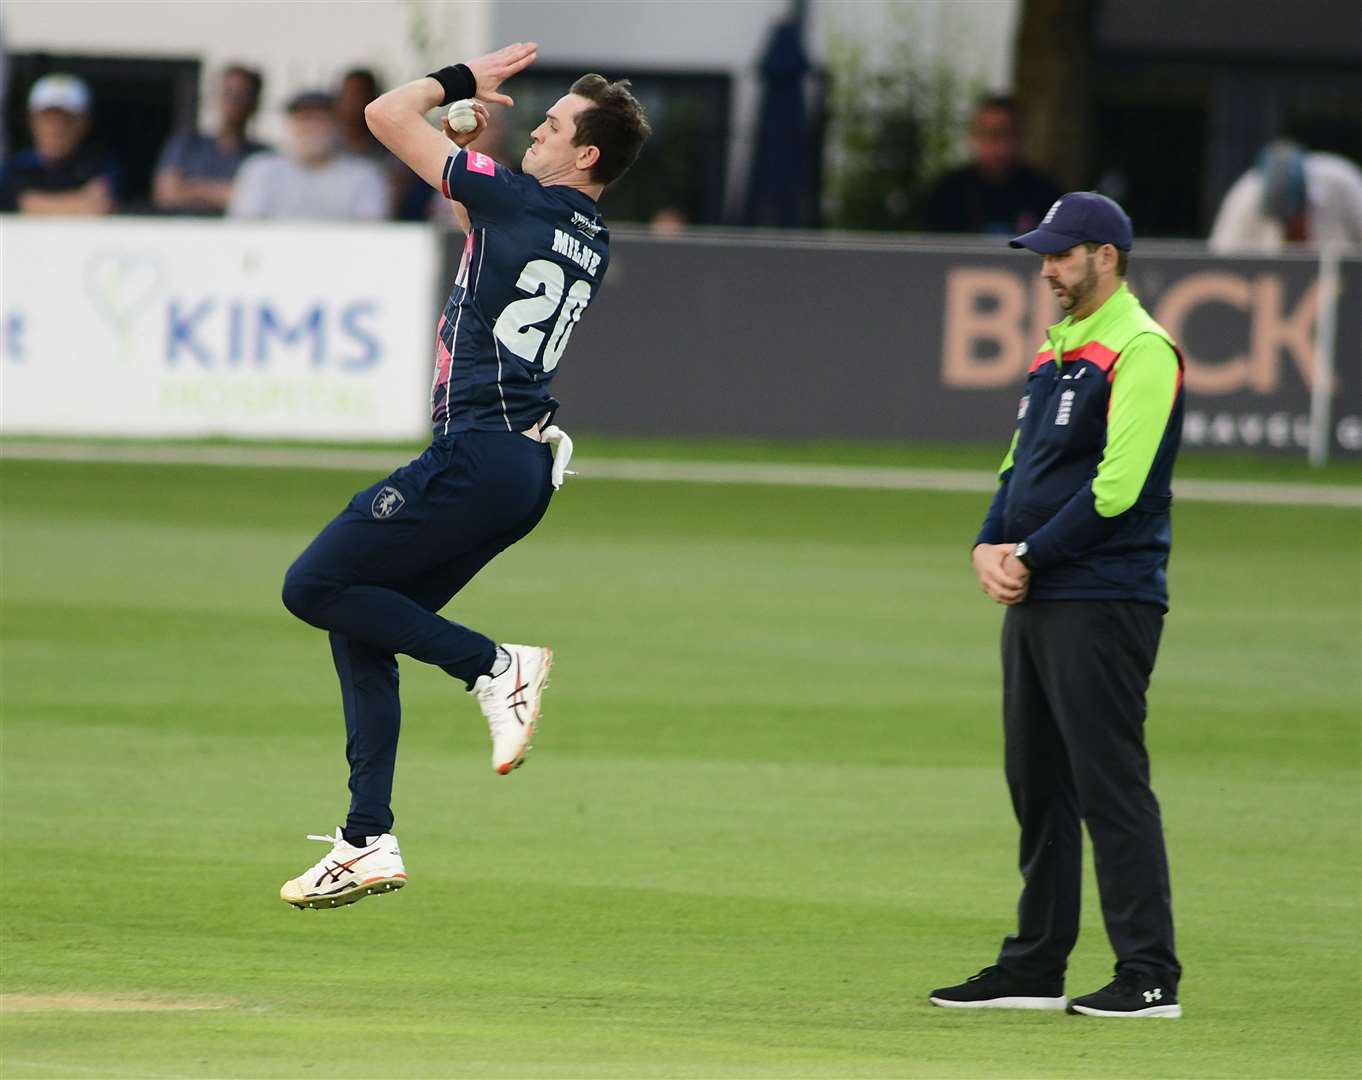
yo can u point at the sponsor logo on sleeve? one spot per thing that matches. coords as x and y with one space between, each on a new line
481 163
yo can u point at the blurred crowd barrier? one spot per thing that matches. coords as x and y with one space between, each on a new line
326 332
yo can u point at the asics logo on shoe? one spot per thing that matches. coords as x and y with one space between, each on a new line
1154 995
513 700
336 869
517 705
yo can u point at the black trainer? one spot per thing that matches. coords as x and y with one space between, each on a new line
994 988
1130 994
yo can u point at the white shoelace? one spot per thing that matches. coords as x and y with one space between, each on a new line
337 839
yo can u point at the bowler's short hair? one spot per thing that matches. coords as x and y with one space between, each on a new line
615 124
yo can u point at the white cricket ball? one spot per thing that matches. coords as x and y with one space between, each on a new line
461 116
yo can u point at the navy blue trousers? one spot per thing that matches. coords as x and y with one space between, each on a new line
377 575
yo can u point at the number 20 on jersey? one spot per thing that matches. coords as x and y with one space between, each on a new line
517 328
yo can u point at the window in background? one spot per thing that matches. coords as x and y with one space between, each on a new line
136 104
1160 191
1207 93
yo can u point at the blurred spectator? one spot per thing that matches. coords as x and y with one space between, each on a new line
195 172
313 179
1291 197
668 221
997 192
358 87
62 173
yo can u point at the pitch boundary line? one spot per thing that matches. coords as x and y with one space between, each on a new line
857 477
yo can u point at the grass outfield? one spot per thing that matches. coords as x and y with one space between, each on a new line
765 815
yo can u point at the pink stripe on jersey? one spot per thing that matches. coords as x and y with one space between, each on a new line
444 359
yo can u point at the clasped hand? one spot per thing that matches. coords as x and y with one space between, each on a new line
1001 575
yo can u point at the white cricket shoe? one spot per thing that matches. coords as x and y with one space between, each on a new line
348 874
510 701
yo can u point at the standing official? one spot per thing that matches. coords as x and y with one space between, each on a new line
1076 545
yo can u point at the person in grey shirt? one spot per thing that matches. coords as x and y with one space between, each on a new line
194 175
313 180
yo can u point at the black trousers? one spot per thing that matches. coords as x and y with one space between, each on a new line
1075 674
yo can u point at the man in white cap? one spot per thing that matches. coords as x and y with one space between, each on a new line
62 173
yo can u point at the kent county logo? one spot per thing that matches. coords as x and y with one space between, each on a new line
387 502
1050 214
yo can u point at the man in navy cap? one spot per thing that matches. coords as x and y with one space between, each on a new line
1075 545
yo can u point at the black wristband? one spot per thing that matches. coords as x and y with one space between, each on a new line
458 82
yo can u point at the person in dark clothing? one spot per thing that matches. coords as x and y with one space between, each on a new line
996 192
377 575
1075 544
196 170
62 173
357 88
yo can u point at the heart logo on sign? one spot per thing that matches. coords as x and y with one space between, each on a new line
121 284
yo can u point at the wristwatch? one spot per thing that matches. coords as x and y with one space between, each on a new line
1022 553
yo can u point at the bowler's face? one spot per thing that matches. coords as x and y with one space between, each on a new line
551 153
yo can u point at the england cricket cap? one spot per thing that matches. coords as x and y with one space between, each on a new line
1079 217
65 92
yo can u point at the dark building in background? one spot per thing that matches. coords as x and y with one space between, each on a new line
1164 103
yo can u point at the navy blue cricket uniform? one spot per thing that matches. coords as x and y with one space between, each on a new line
378 573
534 259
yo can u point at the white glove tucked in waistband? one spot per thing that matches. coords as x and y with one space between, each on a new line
561 443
